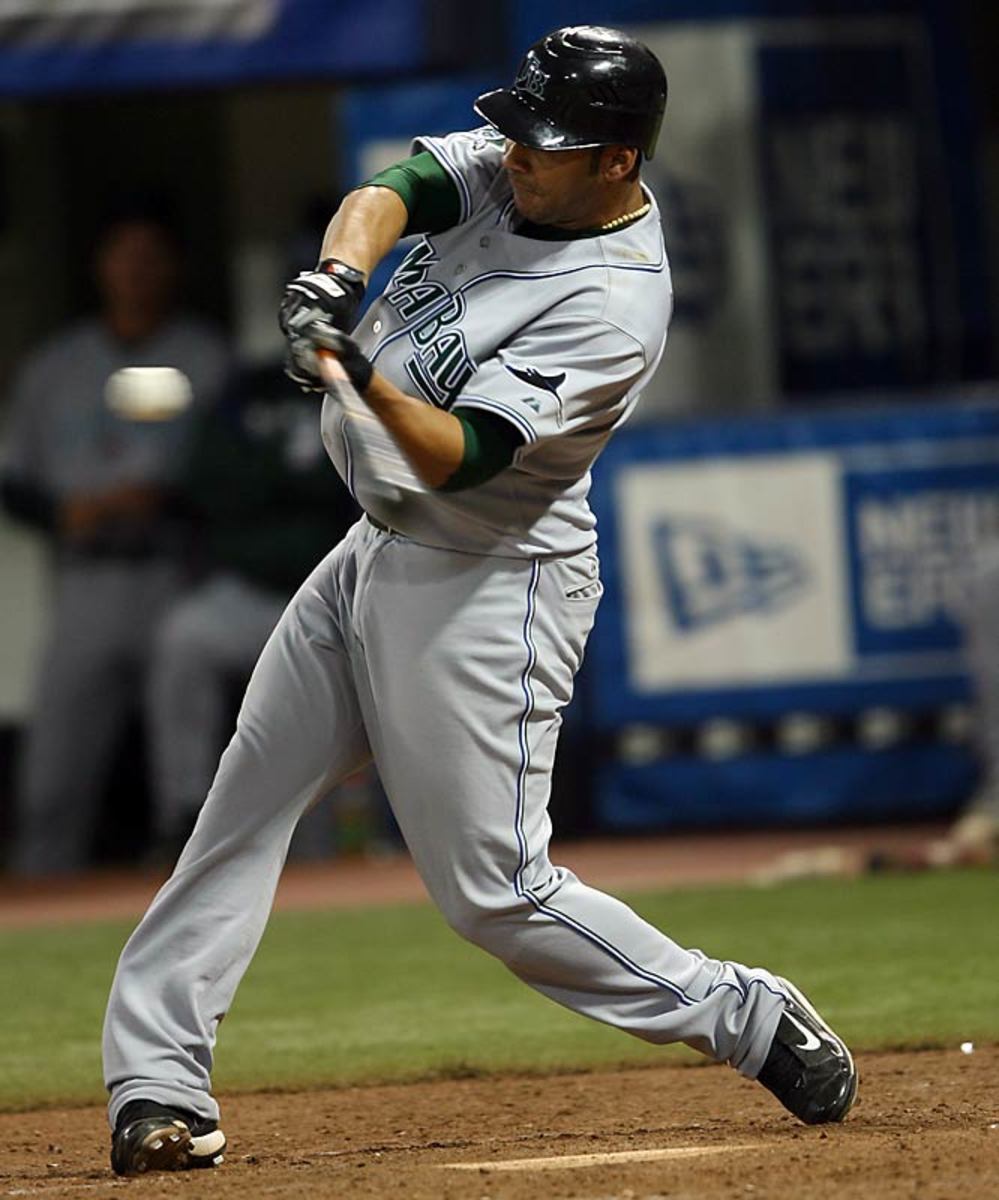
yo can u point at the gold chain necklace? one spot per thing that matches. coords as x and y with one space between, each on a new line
619 221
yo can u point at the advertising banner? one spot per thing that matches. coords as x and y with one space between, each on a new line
780 634
857 213
106 45
759 565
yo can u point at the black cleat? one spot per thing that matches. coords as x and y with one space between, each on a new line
809 1069
153 1137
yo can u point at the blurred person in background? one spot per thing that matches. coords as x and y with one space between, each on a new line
100 487
267 508
974 836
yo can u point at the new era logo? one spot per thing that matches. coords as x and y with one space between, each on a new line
711 574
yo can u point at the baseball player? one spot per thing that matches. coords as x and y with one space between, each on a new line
101 488
442 636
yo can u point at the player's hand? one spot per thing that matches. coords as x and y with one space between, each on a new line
302 363
331 294
349 354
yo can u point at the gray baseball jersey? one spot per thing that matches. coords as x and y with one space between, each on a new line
558 338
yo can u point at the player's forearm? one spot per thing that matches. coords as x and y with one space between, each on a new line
366 226
432 439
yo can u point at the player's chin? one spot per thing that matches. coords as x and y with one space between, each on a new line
536 214
529 206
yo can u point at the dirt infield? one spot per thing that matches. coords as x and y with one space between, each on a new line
926 1127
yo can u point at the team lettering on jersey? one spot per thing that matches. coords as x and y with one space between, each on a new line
441 364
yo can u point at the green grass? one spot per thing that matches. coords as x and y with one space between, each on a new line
391 993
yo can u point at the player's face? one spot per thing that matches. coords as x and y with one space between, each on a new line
553 187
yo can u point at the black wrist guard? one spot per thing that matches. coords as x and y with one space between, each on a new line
349 276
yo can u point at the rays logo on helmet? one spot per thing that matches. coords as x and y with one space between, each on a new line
531 78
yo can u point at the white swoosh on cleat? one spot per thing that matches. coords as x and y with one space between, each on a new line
208 1143
811 1042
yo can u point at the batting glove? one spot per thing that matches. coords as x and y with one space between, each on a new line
349 354
331 294
302 364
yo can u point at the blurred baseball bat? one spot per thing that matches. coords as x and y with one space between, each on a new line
388 469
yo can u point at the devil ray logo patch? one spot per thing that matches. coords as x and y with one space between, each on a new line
547 383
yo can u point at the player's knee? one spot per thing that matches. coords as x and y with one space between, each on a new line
487 924
468 922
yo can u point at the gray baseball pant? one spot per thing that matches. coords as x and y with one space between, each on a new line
91 678
205 643
452 671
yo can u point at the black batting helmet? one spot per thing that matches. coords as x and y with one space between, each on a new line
582 86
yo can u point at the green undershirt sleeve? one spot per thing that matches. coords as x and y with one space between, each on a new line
490 444
428 192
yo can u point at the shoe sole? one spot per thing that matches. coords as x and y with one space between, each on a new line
806 1004
172 1147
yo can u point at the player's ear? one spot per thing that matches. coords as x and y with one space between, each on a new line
619 162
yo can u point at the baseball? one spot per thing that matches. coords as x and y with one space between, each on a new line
148 393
